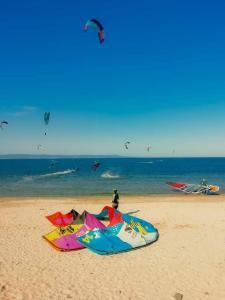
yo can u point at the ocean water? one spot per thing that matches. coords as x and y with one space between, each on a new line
37 177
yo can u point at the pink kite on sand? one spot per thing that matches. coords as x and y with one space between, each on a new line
65 238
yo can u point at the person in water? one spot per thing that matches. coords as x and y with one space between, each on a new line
96 165
115 201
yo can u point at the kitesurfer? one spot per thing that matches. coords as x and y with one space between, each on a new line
115 201
96 165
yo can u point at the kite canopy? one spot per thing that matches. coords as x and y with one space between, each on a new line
59 220
65 238
190 188
124 233
3 124
97 25
126 144
46 117
73 217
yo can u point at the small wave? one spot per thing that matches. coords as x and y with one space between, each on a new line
54 174
109 175
60 173
146 162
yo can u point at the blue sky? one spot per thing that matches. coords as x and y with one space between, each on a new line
158 79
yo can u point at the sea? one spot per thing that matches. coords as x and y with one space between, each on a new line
75 177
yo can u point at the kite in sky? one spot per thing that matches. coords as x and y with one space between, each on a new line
3 124
126 145
46 119
97 25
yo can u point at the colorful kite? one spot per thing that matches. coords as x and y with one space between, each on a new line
190 188
124 233
58 219
65 238
97 25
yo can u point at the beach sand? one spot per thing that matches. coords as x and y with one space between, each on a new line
188 258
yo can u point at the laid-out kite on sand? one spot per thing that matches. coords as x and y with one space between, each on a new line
65 238
123 233
97 25
189 188
59 220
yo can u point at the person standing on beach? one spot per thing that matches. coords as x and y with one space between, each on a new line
115 201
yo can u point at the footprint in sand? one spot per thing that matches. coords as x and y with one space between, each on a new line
181 226
178 296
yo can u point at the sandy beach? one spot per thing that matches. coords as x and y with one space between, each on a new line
188 258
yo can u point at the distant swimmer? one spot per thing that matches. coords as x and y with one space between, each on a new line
53 163
115 201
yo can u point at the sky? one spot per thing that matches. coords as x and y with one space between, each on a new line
158 79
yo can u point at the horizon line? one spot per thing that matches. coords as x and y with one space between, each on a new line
46 156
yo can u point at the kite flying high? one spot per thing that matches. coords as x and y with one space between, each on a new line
97 25
3 123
